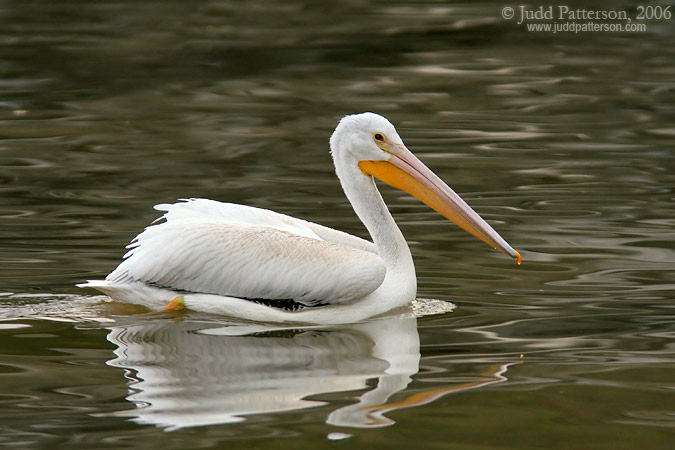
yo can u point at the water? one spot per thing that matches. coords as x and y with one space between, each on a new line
563 142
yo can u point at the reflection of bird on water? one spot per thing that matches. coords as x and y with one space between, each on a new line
260 265
192 374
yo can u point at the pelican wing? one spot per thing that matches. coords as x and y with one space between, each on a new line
201 208
248 260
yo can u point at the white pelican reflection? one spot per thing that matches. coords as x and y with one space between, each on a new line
187 374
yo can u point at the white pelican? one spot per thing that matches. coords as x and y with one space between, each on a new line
260 265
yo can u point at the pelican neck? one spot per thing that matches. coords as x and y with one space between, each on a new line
367 202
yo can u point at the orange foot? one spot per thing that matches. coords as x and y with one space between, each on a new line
177 304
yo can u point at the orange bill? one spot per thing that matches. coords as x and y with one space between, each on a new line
404 171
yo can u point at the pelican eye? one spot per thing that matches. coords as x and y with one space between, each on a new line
379 137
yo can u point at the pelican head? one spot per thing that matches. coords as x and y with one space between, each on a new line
356 134
372 143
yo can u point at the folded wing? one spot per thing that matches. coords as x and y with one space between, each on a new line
213 254
201 208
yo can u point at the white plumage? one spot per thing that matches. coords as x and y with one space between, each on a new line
260 265
232 250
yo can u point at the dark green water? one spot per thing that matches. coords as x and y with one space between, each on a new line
563 142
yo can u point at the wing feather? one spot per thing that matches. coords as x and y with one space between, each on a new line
200 208
241 259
